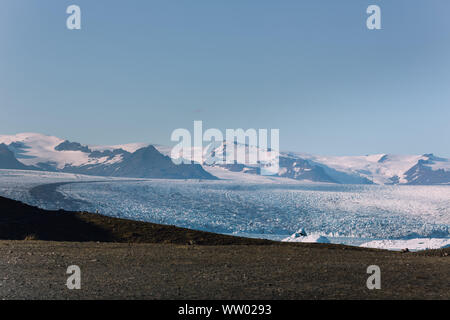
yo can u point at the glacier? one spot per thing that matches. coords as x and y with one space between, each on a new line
263 207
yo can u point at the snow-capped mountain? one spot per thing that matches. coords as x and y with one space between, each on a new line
9 161
391 169
31 151
424 169
289 167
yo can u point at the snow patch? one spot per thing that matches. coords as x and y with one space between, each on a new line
302 236
129 147
411 244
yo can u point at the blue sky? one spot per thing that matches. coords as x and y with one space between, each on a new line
140 69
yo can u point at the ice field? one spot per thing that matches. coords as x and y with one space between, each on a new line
15 184
227 207
352 214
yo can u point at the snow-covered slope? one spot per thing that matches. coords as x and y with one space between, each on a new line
37 151
379 168
40 152
33 149
130 147
370 169
391 169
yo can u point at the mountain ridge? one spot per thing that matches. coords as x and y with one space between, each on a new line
383 169
32 151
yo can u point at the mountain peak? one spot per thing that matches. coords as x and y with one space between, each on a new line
8 160
72 146
142 160
41 152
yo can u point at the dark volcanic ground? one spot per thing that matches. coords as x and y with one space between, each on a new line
37 270
137 260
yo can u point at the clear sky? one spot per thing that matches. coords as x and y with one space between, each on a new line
139 69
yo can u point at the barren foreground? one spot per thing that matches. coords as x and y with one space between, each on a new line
37 270
123 259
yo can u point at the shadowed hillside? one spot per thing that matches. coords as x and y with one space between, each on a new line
19 221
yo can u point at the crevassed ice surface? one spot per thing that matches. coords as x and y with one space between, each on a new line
15 184
252 208
247 208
